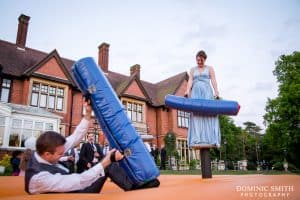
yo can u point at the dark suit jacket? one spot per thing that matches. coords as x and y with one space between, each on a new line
87 155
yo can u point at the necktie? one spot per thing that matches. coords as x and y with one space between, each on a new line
105 150
93 146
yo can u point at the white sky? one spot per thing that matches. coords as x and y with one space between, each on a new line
243 39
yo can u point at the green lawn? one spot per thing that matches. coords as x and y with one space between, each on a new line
198 172
227 172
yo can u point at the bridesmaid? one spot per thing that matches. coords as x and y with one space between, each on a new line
203 130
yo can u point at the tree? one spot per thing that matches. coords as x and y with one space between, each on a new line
283 113
251 144
230 133
241 144
170 143
252 128
170 146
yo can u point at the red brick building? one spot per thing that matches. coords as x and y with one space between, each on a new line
38 93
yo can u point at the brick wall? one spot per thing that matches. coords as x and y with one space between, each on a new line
162 124
52 68
135 90
180 132
76 109
151 121
26 95
17 92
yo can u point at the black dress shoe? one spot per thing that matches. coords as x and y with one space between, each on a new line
150 184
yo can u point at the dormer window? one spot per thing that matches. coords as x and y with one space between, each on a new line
47 96
134 110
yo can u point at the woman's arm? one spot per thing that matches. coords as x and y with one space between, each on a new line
213 80
189 84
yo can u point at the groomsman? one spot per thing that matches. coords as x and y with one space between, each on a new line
90 154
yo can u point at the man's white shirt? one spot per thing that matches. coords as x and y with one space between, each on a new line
47 182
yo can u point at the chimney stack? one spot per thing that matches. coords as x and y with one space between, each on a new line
22 31
135 69
103 55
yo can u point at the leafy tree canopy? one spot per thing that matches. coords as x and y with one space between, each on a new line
283 113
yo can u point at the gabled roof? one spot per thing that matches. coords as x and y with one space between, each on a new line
151 90
123 87
155 92
169 86
54 54
17 62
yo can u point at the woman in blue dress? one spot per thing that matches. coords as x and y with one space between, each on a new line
203 131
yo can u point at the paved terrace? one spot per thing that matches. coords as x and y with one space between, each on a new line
185 187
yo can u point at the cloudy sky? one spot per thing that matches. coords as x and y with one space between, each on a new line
243 39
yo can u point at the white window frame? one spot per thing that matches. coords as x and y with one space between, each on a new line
35 131
5 85
183 119
183 150
29 129
46 89
134 110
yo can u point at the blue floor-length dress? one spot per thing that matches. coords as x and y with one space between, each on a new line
203 130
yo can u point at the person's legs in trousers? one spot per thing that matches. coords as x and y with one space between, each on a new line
95 187
118 176
163 164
